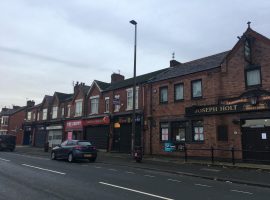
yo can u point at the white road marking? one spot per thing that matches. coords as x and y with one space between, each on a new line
149 176
239 191
97 167
174 180
130 172
4 160
210 170
44 169
112 170
137 191
202 185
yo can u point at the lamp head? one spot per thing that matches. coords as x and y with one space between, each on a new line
133 22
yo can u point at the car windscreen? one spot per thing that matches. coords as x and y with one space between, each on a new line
83 143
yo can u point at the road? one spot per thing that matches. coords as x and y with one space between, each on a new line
31 177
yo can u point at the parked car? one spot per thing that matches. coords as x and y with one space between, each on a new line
7 142
74 149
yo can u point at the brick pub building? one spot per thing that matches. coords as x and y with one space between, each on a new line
220 101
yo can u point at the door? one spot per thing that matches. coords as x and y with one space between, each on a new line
98 136
256 143
40 138
122 137
26 137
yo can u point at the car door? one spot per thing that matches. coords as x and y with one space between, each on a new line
60 150
68 148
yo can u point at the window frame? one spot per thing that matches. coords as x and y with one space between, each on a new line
78 112
54 112
253 68
160 89
194 125
94 101
44 116
160 131
176 85
107 104
193 82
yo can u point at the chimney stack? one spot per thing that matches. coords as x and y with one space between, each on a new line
116 78
30 103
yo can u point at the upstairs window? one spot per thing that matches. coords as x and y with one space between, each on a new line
78 108
38 116
107 104
4 120
253 76
34 116
29 115
54 114
116 102
69 108
196 89
178 92
94 104
44 114
63 112
130 99
163 95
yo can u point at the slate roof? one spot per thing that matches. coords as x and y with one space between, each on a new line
62 96
129 82
102 85
86 88
11 111
194 66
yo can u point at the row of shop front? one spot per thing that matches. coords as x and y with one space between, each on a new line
105 132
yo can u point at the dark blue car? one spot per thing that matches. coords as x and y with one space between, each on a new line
74 149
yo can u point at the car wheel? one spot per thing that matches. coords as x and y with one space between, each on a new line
70 157
92 159
53 157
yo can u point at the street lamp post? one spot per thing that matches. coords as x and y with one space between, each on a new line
134 90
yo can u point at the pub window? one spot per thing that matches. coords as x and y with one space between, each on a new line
253 76
163 94
198 131
164 132
222 133
178 132
179 92
196 89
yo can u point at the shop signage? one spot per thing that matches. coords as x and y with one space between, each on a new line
97 121
169 147
223 109
73 125
123 120
54 127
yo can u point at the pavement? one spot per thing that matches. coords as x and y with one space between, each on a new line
241 173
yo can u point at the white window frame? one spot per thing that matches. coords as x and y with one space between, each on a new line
94 102
29 115
69 109
78 107
63 112
130 98
107 104
54 113
4 120
117 106
44 114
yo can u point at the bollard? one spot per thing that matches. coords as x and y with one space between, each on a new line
185 149
212 154
233 160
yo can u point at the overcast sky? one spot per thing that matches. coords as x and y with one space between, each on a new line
45 45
